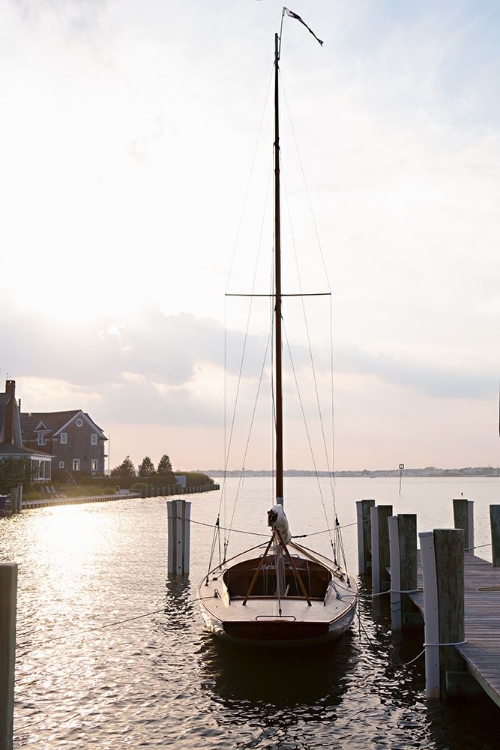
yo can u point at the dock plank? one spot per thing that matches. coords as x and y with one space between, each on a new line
481 651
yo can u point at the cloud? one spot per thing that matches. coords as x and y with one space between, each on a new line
162 348
434 380
127 140
144 367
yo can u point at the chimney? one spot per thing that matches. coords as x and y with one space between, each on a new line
10 390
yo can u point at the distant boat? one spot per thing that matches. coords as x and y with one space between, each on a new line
279 593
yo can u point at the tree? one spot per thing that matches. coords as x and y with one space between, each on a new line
13 472
125 469
165 466
147 468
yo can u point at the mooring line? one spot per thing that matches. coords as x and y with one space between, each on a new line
380 650
407 663
265 536
223 528
66 636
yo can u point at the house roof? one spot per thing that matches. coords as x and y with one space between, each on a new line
54 421
7 449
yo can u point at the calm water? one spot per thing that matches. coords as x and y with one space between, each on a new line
85 678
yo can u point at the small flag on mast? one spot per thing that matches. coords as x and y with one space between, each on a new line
298 18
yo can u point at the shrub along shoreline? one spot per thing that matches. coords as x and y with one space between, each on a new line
87 486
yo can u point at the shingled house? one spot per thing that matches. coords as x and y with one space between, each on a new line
11 444
74 440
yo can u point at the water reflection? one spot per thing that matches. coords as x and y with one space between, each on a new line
179 608
280 678
161 681
463 722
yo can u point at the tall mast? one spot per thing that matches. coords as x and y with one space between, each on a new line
277 283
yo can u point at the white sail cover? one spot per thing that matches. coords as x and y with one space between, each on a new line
277 519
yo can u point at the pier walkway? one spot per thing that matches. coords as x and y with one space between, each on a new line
47 502
481 651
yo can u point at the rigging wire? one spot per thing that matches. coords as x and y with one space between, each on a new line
336 542
249 434
306 426
243 356
327 279
313 217
266 536
247 190
330 460
228 441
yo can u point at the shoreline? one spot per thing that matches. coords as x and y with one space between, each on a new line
475 473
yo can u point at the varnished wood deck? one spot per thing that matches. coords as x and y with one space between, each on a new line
482 622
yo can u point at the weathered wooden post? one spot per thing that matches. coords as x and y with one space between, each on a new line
13 500
463 517
364 536
403 563
379 516
443 571
179 516
8 608
495 534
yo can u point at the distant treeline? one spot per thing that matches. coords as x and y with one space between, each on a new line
429 471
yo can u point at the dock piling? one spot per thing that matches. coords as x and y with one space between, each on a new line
379 516
463 516
403 564
179 516
443 571
495 534
8 608
364 536
13 501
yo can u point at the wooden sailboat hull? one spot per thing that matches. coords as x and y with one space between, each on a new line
273 621
278 632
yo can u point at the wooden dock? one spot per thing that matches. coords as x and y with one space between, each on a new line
452 591
481 651
48 502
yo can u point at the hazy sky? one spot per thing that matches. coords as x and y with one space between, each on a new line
127 135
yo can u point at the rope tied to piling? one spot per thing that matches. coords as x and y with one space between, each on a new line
390 591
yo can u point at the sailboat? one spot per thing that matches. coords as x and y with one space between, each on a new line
279 593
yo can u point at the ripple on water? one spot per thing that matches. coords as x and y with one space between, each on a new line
162 682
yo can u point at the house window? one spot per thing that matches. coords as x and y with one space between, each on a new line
61 464
76 464
40 469
64 438
79 422
93 439
93 465
41 440
36 472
